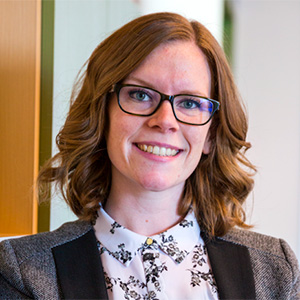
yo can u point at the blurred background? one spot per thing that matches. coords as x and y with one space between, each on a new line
44 44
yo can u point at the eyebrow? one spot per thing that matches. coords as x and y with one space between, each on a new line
140 81
144 83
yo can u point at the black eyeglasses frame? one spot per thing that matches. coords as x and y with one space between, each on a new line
118 86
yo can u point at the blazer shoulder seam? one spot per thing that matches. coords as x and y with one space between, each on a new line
292 266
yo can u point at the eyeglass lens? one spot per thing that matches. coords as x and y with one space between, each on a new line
144 101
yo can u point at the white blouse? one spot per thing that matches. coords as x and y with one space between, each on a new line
170 265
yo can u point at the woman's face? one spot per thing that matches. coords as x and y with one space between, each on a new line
172 68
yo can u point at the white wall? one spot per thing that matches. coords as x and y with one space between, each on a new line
267 70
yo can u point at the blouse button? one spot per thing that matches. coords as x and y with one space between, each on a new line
149 241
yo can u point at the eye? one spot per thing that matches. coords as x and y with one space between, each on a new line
189 104
139 95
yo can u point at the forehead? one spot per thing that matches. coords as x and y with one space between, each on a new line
174 67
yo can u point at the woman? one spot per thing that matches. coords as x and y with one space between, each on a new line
155 170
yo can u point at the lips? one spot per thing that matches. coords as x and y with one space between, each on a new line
159 151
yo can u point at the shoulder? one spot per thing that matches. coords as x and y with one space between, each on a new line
31 257
28 246
274 264
253 240
264 244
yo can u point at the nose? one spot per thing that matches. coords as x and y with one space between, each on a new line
164 118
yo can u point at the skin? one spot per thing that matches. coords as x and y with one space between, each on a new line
146 188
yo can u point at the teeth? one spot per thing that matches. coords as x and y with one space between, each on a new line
160 151
155 150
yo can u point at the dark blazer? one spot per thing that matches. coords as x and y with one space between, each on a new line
66 263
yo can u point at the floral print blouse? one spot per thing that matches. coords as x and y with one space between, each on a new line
170 265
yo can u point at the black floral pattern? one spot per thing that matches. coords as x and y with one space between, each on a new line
170 246
127 287
122 255
145 279
198 276
198 256
153 269
114 226
185 223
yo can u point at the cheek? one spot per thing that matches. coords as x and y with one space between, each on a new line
122 128
197 140
196 136
116 141
116 122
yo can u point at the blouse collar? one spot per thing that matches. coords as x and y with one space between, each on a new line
124 244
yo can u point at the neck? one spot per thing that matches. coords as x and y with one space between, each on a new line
144 212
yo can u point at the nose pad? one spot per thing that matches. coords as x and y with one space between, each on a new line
164 117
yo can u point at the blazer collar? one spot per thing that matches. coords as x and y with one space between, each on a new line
80 272
79 268
232 269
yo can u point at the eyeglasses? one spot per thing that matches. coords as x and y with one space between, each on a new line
143 101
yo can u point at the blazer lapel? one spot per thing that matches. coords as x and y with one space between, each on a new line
79 268
232 269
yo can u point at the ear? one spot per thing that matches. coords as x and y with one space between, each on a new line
207 144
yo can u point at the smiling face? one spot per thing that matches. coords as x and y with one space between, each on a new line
157 152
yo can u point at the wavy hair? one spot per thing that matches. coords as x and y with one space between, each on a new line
82 170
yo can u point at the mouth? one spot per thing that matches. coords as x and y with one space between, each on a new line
159 151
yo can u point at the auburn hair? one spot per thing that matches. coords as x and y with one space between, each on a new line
82 170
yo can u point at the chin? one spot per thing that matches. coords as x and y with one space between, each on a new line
157 185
